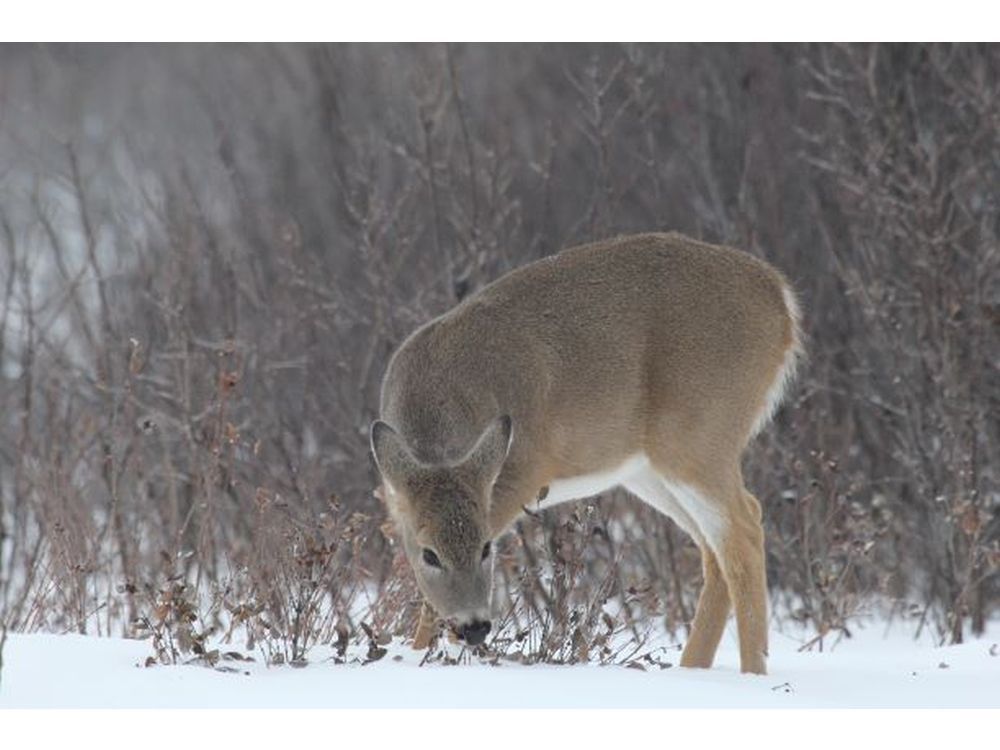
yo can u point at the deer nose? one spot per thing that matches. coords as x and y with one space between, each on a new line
475 632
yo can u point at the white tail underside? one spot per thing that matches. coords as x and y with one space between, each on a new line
786 372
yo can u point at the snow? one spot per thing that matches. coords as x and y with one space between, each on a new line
873 669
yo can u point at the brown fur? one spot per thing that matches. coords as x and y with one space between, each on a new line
653 344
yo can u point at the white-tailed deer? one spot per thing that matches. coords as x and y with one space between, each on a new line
646 362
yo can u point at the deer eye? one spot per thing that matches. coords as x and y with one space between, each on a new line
431 558
486 551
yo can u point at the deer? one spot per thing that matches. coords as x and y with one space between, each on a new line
647 362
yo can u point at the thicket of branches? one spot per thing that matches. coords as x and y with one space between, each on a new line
207 255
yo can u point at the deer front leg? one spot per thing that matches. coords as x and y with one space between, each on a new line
426 627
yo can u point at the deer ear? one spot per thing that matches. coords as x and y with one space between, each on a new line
391 455
491 450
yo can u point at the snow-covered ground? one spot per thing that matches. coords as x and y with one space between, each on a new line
873 669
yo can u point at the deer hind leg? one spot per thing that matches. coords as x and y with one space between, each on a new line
710 616
729 519
713 602
746 575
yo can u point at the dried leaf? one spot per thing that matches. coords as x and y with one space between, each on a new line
228 381
970 522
